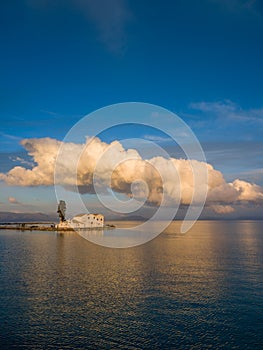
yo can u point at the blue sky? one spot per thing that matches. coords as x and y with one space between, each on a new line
61 60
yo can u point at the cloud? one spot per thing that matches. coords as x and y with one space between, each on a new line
96 163
156 138
237 6
13 200
21 161
222 209
10 137
255 175
110 19
54 114
248 191
229 110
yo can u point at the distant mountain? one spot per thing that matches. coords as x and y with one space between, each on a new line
9 217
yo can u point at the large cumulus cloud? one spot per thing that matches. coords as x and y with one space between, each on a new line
105 165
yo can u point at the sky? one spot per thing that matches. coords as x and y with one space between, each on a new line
202 60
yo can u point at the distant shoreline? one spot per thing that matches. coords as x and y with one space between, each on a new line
32 226
41 227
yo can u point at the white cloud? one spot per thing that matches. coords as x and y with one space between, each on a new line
124 171
255 175
21 161
156 138
222 209
10 137
229 110
248 191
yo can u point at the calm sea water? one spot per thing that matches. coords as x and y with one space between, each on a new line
202 290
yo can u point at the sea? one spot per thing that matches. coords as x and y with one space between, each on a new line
199 290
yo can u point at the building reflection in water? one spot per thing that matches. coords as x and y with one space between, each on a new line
174 287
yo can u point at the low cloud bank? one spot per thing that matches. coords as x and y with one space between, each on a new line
101 165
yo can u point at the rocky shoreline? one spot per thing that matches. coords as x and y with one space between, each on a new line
50 227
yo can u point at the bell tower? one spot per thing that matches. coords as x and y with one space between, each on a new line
62 210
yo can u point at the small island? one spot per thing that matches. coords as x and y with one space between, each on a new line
78 222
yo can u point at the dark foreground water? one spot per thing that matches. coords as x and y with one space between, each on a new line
202 290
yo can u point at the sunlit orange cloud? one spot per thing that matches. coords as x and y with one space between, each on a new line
120 169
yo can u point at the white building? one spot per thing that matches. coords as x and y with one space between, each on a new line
83 221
